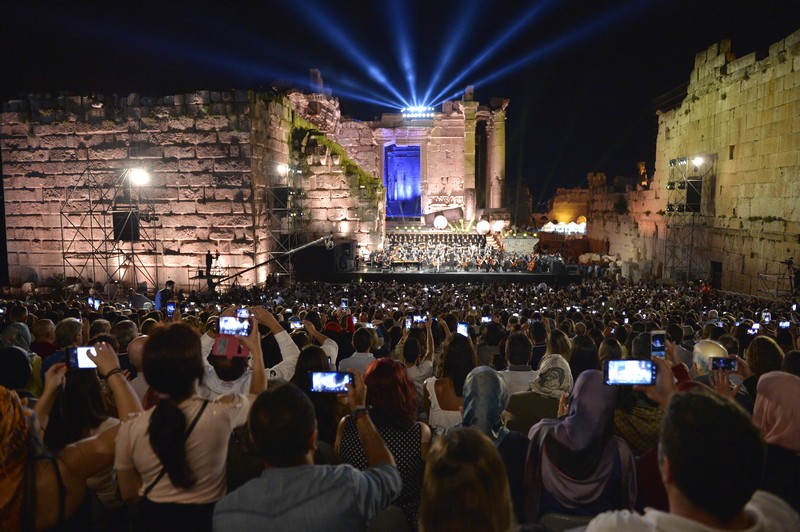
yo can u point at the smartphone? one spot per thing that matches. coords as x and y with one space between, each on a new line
369 325
219 308
97 304
618 372
752 331
724 363
344 303
756 326
486 319
626 321
766 317
76 358
170 310
784 324
234 326
462 328
408 323
658 344
330 381
419 319
721 324
90 301
295 325
794 307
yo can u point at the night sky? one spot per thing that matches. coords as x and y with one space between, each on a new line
581 75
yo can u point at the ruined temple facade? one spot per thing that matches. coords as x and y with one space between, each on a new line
241 173
724 202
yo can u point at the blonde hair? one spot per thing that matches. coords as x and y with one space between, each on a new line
465 485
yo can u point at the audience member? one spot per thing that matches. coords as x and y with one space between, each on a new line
443 395
552 381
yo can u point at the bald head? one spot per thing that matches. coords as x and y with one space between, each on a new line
135 349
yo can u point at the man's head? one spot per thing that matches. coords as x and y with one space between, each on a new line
99 326
44 330
135 349
703 350
125 331
710 454
170 285
518 349
68 333
18 314
362 340
283 426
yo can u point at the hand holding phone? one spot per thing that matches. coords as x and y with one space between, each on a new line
723 364
170 310
463 328
658 344
621 372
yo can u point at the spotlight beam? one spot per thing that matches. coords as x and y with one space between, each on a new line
507 35
401 30
456 37
564 41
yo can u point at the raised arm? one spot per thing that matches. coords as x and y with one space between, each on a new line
53 380
375 448
107 361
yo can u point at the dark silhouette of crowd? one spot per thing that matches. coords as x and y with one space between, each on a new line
466 407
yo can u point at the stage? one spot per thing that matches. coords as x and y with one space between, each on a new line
427 276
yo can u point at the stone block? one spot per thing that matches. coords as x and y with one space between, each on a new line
212 151
194 165
179 152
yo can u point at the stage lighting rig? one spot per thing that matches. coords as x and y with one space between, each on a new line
417 111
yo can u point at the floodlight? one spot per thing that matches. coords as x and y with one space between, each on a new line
138 176
483 227
282 169
697 161
440 222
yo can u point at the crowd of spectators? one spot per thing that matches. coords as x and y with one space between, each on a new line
471 407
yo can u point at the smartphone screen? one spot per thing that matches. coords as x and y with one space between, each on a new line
296 325
408 323
784 324
97 304
486 319
419 319
724 363
462 328
90 300
330 381
344 303
77 358
234 326
170 310
658 343
618 372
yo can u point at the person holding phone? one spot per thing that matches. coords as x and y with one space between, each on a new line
572 458
294 494
164 295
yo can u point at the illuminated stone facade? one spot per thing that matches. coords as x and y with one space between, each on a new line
738 133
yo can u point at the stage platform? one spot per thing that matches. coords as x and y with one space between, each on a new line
423 276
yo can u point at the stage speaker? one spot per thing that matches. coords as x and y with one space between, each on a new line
126 226
694 191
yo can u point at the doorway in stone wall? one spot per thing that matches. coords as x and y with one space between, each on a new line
716 275
402 182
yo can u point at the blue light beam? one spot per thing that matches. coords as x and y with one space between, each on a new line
507 35
401 30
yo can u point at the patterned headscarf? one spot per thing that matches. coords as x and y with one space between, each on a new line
777 409
13 458
485 398
553 377
17 335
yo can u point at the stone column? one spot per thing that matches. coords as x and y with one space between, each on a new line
470 197
496 148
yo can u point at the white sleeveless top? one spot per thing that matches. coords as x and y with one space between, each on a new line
438 419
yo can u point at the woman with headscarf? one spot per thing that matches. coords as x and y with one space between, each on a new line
552 380
18 335
777 413
575 464
485 396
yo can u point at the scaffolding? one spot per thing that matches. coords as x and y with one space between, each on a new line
690 206
109 231
285 199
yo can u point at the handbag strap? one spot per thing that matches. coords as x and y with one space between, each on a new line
189 430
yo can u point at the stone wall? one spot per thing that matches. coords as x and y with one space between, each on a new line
741 117
213 158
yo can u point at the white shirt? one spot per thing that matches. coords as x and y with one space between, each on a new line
517 380
768 512
358 361
214 387
420 372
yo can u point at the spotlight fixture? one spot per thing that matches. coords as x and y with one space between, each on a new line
417 111
671 162
682 161
681 207
671 186
282 169
681 185
138 176
697 161
670 207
